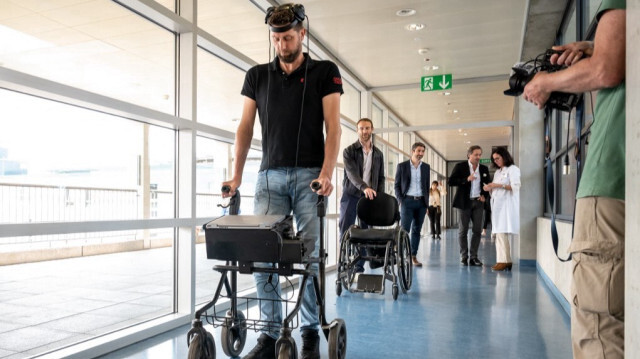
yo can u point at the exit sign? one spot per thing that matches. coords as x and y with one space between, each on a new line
485 160
437 82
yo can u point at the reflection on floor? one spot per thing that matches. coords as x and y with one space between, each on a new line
450 312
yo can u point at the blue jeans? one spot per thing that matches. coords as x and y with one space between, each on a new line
412 214
288 191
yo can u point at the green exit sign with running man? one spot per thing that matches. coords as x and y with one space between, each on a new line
437 82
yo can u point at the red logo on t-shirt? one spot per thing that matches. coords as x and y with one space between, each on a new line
337 80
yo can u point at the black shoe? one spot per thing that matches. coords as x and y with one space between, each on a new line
359 269
463 260
475 262
310 344
265 349
438 236
376 263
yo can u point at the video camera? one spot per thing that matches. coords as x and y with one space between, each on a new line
523 72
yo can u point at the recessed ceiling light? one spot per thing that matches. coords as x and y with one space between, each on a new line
406 12
447 93
423 51
455 111
414 27
435 67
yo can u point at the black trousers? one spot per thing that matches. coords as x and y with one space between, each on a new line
434 219
473 214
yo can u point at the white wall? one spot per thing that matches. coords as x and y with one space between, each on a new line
558 272
632 203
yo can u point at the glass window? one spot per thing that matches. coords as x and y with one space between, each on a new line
60 164
240 24
591 10
350 102
392 163
213 159
376 116
347 138
569 31
406 142
97 284
99 46
394 136
219 99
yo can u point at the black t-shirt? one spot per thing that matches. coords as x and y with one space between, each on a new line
279 100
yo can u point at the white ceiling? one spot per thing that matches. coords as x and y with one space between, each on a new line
475 41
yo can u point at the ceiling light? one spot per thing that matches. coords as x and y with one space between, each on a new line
447 93
435 67
414 27
455 111
423 51
406 12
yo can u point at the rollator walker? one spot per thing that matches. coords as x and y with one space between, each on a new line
386 247
242 241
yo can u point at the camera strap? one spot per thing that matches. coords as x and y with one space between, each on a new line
550 182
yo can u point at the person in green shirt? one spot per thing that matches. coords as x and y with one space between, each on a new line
597 318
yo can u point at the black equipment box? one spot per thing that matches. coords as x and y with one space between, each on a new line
263 238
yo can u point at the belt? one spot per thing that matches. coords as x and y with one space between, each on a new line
416 198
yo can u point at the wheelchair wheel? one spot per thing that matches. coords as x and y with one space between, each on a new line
201 347
348 252
286 348
337 340
338 287
234 334
404 261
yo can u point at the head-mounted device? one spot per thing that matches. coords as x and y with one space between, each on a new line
295 14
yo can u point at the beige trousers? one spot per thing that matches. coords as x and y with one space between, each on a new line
597 290
503 247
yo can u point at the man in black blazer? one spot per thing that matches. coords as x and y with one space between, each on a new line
363 177
470 176
412 191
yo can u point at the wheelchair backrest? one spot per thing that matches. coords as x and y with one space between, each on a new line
380 211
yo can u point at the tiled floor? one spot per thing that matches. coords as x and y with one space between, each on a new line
450 312
48 305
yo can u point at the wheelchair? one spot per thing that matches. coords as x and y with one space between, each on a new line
387 247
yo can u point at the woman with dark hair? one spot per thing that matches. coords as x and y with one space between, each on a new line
505 206
434 210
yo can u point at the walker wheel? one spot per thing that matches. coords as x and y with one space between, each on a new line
234 334
338 287
201 348
337 339
286 348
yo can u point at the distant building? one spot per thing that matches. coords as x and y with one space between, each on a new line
9 167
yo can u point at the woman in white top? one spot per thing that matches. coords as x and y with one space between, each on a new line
434 211
505 206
